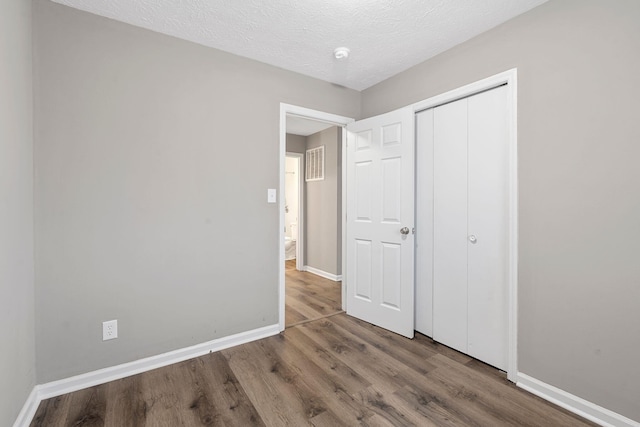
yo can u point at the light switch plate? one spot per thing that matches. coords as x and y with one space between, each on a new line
271 195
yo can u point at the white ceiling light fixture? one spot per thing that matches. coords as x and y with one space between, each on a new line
341 53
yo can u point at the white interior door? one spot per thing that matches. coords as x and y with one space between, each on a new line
380 221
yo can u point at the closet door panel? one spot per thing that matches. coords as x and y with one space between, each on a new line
487 208
424 226
450 225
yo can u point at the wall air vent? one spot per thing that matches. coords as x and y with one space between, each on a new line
314 165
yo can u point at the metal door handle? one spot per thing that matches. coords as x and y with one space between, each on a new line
404 230
473 239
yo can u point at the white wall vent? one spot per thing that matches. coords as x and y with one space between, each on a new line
314 165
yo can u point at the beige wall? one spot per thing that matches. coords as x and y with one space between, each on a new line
323 202
296 143
135 220
138 137
323 206
17 345
579 284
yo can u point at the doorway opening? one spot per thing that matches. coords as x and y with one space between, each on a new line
293 209
311 215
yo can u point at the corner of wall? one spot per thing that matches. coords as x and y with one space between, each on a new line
17 288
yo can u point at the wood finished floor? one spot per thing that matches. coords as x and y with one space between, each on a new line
309 297
334 371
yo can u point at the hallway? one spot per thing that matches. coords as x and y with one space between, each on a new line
309 297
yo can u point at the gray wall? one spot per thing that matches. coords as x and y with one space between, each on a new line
139 216
323 205
296 143
323 202
17 357
578 66
145 212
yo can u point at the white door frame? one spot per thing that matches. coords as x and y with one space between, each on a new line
300 241
510 79
307 113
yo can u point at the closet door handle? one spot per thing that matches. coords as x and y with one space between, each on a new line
473 239
404 230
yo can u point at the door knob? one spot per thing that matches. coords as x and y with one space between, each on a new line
473 239
404 230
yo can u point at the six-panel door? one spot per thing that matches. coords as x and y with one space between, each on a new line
380 203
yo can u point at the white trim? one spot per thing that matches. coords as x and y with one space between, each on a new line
294 110
506 77
28 409
343 216
575 404
510 78
101 376
300 240
321 273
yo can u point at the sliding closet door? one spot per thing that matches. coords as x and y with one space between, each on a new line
487 213
469 307
450 225
424 229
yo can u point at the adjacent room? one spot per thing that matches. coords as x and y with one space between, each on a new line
339 213
312 220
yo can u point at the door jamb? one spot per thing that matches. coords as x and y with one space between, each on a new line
307 113
300 241
510 78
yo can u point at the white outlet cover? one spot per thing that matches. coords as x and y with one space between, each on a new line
109 330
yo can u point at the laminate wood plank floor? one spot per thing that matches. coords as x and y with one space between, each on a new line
335 371
309 297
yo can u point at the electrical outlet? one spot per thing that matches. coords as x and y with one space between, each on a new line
109 330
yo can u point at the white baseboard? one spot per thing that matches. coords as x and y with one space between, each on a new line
28 410
321 273
575 404
101 376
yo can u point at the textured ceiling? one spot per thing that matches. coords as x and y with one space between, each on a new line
385 36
